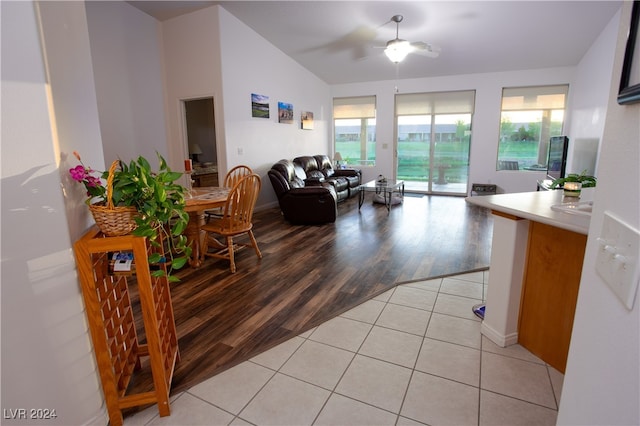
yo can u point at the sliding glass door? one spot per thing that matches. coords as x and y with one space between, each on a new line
433 136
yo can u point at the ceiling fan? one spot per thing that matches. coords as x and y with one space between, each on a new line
398 49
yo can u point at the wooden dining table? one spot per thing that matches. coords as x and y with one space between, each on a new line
198 200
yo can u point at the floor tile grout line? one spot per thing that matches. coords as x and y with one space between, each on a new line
333 391
518 399
482 349
480 381
553 390
514 357
235 416
275 372
413 369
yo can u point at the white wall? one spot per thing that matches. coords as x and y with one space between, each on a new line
210 52
47 361
191 58
588 101
263 69
126 52
486 120
602 380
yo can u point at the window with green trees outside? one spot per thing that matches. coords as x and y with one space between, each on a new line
354 123
530 116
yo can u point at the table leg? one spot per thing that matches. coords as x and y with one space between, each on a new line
194 235
361 198
387 201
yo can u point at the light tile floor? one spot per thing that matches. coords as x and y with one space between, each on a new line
413 355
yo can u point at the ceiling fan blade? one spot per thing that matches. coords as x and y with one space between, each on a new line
426 49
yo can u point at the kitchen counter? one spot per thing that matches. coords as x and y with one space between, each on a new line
537 251
536 206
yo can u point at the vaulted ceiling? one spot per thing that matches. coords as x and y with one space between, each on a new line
341 41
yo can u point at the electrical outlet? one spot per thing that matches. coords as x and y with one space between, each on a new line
240 151
618 258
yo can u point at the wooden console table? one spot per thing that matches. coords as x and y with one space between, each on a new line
112 325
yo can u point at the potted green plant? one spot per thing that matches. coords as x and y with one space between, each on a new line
158 202
573 183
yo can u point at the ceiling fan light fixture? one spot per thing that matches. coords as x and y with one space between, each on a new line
397 50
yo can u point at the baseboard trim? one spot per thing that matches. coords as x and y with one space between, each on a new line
498 338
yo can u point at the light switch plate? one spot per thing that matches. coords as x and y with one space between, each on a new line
618 258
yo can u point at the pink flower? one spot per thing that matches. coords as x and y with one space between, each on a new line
93 181
78 173
84 175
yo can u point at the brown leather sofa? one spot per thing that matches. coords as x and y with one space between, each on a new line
308 188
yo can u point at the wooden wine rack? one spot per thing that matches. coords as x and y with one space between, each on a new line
111 321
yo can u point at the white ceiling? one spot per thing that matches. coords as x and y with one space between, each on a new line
336 39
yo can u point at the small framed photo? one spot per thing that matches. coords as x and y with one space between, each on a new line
285 113
259 106
630 79
306 120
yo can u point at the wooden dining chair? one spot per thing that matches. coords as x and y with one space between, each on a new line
231 178
235 174
236 221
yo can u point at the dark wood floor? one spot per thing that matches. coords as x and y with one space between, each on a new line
310 274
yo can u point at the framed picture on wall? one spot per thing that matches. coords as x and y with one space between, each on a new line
259 106
285 113
306 120
630 79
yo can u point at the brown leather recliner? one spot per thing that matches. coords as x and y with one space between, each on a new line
353 176
311 169
303 199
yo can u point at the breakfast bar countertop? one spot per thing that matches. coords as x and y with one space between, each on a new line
536 206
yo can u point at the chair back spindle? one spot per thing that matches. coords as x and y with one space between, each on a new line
236 221
232 177
235 174
241 202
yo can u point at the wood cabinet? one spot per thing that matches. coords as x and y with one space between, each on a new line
550 292
119 352
205 179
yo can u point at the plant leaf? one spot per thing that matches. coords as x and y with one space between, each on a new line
179 262
155 258
173 279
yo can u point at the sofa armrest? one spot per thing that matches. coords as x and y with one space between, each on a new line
314 181
347 172
308 191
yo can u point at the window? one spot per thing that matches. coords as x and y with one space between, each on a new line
354 123
433 140
530 116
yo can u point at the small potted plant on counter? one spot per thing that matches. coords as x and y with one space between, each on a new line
573 183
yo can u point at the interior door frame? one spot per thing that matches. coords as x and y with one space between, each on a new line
184 138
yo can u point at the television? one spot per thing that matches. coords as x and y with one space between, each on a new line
557 159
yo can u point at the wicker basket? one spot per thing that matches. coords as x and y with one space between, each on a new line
113 220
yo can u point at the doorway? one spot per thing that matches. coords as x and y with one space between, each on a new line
200 129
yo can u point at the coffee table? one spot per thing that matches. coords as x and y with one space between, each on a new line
385 188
